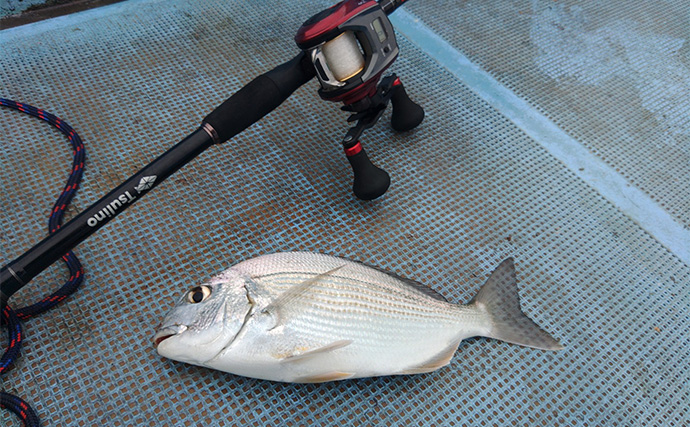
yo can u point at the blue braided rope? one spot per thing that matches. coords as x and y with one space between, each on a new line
12 318
14 332
20 408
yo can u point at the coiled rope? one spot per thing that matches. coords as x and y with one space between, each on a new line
12 318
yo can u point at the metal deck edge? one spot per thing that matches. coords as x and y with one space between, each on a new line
36 28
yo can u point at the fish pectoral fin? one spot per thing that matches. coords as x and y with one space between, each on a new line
325 377
321 350
278 307
441 359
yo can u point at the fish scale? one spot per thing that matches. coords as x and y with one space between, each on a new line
342 291
305 317
363 286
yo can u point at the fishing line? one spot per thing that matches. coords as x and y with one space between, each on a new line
12 318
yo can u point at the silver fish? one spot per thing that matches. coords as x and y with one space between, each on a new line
306 317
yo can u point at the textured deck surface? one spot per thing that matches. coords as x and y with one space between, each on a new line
556 133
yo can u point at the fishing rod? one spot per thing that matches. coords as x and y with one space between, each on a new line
347 47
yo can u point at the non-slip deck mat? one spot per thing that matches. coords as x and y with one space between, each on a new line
615 75
469 189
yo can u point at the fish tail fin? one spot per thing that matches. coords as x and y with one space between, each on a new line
499 299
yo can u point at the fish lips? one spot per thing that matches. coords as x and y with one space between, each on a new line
167 332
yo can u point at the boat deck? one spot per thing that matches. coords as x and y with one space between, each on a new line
556 133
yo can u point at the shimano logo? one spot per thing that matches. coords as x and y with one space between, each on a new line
111 208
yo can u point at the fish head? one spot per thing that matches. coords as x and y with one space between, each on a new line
205 320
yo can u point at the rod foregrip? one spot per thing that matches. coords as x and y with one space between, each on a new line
389 6
259 97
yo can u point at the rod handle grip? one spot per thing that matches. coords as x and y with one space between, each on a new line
259 97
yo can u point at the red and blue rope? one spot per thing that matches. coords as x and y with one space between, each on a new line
12 318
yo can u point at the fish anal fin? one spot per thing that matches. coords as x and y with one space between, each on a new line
325 377
441 359
318 351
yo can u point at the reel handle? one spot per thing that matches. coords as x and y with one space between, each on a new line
370 181
407 115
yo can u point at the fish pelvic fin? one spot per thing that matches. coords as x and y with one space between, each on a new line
499 299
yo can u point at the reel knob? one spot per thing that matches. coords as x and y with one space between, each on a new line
406 114
370 181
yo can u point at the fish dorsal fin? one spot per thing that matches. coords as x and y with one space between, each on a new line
420 287
321 350
287 298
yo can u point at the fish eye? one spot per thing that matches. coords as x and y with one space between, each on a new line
198 294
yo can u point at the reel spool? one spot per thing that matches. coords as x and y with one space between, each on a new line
350 45
343 58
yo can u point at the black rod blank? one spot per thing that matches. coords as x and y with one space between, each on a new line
248 105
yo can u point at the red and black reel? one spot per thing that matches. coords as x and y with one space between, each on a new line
351 44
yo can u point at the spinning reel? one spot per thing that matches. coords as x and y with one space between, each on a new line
350 45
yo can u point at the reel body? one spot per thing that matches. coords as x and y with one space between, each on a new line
350 45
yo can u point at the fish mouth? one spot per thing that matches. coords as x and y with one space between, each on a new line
167 332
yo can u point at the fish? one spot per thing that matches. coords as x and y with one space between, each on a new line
303 317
